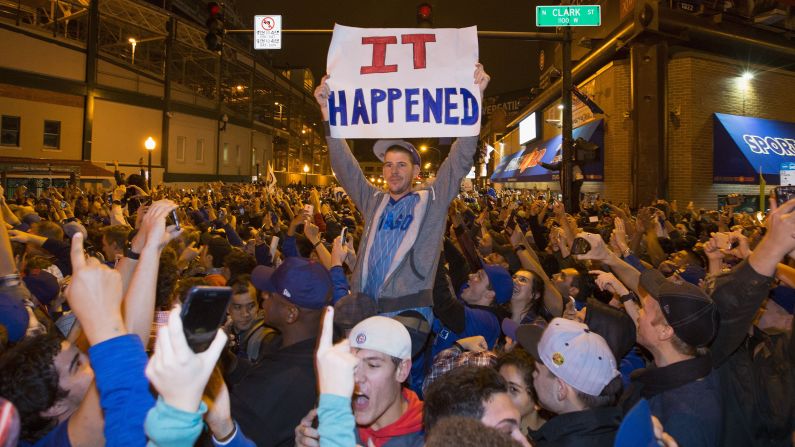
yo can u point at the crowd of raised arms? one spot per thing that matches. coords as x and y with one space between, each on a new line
407 315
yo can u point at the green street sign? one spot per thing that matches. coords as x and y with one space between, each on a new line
580 15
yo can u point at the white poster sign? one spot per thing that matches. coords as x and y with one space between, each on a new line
403 82
268 32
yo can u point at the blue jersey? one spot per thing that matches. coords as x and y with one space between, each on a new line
389 232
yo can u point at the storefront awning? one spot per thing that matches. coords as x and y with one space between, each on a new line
742 146
522 166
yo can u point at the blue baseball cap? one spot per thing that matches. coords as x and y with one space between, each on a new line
303 282
501 282
13 316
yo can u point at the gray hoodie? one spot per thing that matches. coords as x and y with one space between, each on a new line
409 280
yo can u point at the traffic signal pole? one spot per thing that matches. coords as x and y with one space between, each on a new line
567 180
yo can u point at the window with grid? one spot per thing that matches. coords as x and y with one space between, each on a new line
52 134
9 130
200 150
181 143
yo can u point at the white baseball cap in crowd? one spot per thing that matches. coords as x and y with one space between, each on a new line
572 352
383 335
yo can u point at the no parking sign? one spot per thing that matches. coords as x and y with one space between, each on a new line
268 32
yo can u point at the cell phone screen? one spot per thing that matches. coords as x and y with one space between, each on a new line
203 312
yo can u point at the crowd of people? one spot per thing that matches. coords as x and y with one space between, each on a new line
396 316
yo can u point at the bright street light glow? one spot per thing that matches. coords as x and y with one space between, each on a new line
306 168
747 76
150 144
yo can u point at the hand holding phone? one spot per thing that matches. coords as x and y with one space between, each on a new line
203 312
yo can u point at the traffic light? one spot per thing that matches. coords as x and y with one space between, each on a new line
215 27
424 15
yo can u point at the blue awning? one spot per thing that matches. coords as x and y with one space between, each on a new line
742 146
522 166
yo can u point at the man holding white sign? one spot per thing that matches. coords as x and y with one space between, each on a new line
401 83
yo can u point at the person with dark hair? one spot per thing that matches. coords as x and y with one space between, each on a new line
575 285
114 242
516 367
474 392
462 431
273 395
527 301
576 378
30 376
249 337
238 262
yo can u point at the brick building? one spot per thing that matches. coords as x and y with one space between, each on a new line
659 94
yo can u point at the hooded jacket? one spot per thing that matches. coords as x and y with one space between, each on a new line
409 280
404 432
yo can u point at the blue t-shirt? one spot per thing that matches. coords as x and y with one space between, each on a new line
396 219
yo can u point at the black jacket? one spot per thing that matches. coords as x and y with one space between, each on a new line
685 396
269 402
591 428
755 372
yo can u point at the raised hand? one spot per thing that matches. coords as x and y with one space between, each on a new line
178 373
153 225
608 281
312 232
95 295
321 96
339 251
481 77
335 363
598 251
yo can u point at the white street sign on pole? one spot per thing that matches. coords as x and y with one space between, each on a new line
268 32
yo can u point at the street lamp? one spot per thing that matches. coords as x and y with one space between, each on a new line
150 144
133 42
425 148
306 175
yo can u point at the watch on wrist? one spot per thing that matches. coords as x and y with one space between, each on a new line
129 253
628 297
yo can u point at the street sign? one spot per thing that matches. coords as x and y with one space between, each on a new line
580 15
268 32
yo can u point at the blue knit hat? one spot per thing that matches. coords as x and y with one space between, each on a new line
501 282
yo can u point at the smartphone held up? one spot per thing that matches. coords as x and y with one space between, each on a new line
203 313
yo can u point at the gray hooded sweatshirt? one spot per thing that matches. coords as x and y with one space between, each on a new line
409 281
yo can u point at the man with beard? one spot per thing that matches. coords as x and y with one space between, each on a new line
400 246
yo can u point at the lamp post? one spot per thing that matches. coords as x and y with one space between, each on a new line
306 175
150 144
133 42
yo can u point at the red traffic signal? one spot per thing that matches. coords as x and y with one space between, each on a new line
213 9
215 26
424 14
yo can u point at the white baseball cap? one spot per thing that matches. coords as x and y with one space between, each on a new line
572 352
383 335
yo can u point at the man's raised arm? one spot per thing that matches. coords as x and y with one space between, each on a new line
346 168
459 161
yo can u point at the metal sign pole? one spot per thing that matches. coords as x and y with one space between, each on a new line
567 180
